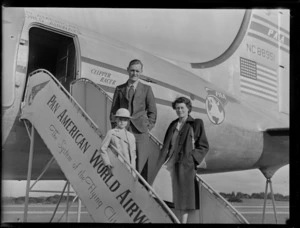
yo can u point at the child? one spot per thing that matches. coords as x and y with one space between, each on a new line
120 138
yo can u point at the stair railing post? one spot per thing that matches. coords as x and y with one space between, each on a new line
79 210
201 202
29 173
60 198
68 194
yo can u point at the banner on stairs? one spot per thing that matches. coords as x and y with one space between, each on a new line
74 142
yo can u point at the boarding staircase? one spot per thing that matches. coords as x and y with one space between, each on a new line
73 126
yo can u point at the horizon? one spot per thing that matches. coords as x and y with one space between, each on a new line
249 181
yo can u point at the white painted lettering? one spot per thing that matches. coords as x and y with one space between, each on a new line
270 32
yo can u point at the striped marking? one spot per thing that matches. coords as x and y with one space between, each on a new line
267 77
267 68
267 41
259 84
258 94
255 86
260 90
258 80
270 23
179 90
266 74
265 30
157 100
169 104
143 77
267 82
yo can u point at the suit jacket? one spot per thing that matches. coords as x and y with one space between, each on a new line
144 110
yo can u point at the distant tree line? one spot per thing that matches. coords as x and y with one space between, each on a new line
231 197
239 196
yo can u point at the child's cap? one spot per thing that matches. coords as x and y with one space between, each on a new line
123 112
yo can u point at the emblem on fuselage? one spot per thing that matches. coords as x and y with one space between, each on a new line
215 102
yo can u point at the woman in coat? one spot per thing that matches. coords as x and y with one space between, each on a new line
185 146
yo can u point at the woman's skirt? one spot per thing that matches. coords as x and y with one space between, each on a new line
163 182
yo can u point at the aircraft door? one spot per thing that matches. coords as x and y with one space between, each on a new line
54 52
65 71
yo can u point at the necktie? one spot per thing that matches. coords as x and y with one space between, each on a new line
130 96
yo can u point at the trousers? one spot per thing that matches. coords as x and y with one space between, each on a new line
142 153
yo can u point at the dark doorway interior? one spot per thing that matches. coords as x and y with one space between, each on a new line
53 52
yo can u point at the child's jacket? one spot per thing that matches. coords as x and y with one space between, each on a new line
124 141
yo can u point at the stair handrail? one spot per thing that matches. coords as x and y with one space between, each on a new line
98 131
156 141
150 189
79 108
93 83
228 205
160 144
114 149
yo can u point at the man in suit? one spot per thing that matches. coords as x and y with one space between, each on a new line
138 98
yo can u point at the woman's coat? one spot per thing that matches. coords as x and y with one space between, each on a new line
189 153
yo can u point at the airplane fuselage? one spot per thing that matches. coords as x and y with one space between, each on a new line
235 123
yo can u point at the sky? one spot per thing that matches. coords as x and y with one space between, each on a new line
251 181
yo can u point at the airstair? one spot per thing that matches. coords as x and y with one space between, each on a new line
72 127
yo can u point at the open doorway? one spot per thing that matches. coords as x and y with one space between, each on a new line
53 52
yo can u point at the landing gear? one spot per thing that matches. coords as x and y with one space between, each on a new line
268 172
268 181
